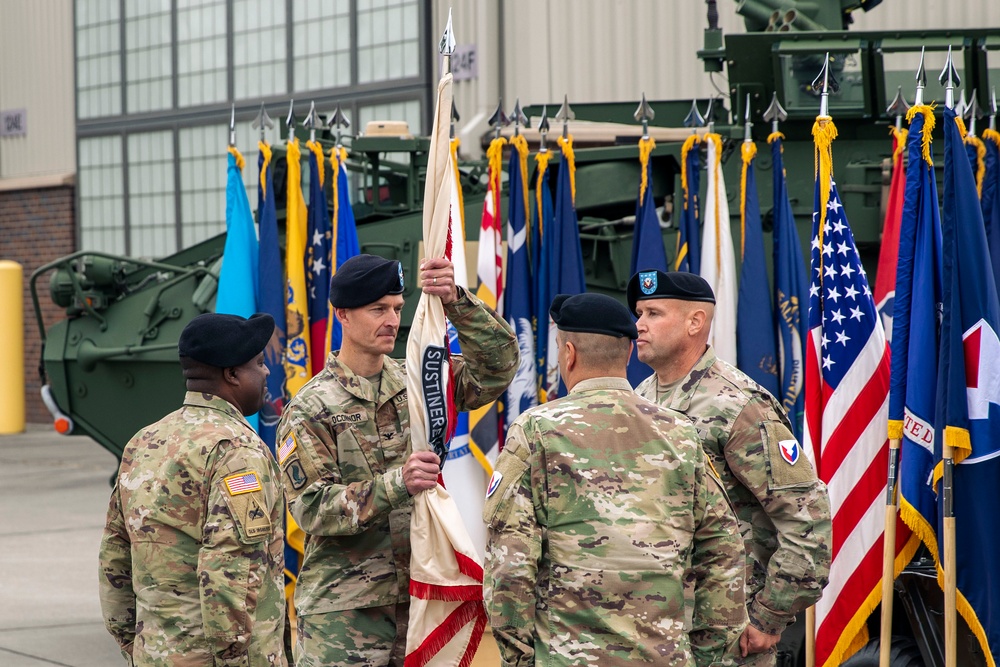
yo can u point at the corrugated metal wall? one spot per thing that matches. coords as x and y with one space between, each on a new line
36 49
615 50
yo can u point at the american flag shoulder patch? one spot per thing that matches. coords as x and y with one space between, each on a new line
244 482
287 447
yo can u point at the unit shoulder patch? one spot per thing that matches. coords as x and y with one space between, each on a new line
788 466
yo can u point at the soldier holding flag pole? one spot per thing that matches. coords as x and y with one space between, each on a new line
356 448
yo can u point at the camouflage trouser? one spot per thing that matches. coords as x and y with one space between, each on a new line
768 659
372 637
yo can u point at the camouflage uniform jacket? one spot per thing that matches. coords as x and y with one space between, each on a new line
783 508
343 443
192 557
602 504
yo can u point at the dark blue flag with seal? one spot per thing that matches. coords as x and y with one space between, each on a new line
689 232
756 353
648 252
968 402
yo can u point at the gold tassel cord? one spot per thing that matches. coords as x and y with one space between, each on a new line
266 150
542 160
748 151
927 111
980 149
520 144
337 157
317 150
455 143
569 159
900 136
235 152
685 148
646 146
824 132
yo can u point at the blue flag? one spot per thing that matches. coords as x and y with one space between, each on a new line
272 301
319 255
689 233
647 244
991 198
541 257
518 301
968 405
237 293
345 231
791 295
755 333
915 334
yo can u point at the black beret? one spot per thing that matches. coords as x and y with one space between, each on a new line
674 285
592 313
225 341
364 279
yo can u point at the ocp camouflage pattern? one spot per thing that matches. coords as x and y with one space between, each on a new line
601 510
192 559
783 508
344 475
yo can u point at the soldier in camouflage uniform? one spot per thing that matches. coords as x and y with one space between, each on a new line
783 508
602 504
344 448
192 559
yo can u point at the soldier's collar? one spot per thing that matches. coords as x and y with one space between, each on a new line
393 380
685 391
601 383
211 401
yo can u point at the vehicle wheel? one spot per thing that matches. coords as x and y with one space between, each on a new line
904 653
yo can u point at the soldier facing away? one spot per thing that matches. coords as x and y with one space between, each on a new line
192 559
348 466
783 508
602 508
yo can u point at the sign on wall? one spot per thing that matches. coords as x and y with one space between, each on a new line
14 123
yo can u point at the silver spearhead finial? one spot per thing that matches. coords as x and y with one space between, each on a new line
825 83
746 122
993 109
518 118
232 126
960 105
898 108
338 121
447 45
543 129
262 121
710 115
564 115
694 118
921 81
644 114
312 121
498 120
775 113
973 113
290 120
950 80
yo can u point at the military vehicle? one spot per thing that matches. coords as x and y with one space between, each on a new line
111 367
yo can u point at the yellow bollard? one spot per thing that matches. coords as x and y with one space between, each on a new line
11 347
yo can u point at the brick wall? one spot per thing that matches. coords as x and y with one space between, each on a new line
36 227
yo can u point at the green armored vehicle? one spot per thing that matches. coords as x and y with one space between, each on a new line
111 366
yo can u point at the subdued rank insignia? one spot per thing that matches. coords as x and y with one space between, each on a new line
287 447
295 474
244 482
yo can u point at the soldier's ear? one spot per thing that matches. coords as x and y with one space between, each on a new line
697 320
230 376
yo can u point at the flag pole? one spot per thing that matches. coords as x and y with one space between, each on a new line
898 108
827 82
949 79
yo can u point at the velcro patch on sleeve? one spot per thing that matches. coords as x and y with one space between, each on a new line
788 465
244 482
287 447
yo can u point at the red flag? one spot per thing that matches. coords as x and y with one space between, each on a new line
885 280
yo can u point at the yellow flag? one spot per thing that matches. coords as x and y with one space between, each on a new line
296 312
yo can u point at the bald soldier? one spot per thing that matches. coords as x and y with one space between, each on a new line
192 559
348 466
601 504
784 510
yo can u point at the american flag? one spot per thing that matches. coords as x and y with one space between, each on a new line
244 483
287 447
847 388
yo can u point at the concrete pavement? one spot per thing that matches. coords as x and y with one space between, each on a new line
53 497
